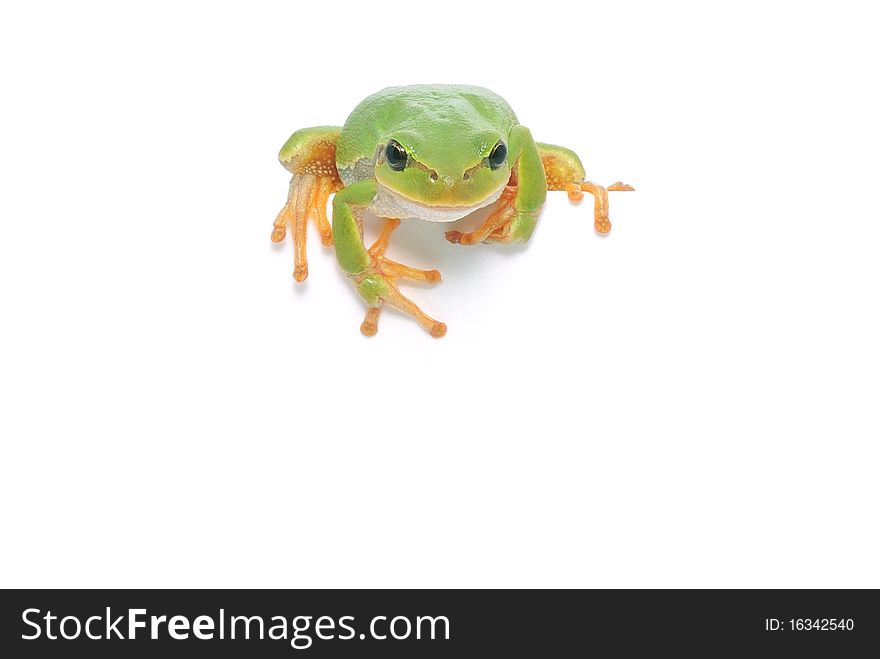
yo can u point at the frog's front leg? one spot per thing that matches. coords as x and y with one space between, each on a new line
373 275
516 212
310 155
560 169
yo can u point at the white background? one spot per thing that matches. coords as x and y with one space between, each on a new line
691 401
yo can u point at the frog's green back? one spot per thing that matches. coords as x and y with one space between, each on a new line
433 116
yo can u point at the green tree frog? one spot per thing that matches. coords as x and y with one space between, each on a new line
429 152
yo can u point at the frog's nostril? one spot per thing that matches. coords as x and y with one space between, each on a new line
466 176
433 177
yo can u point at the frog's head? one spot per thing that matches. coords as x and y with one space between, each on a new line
446 169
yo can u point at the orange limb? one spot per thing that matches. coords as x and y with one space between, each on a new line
279 226
319 207
399 301
393 269
600 200
310 156
307 198
564 171
497 220
381 244
371 321
300 219
393 297
574 192
391 272
620 187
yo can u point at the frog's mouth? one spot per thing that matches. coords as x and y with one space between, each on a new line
390 203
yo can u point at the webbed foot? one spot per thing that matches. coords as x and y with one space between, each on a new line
505 224
378 286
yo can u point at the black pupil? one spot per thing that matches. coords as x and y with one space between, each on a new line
395 155
498 155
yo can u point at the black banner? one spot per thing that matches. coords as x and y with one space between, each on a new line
437 623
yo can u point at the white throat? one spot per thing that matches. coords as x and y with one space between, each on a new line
388 203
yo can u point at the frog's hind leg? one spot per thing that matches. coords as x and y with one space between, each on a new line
564 171
310 155
600 200
295 214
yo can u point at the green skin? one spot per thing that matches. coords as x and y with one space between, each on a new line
448 133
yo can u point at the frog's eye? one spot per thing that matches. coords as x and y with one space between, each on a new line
395 156
498 155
